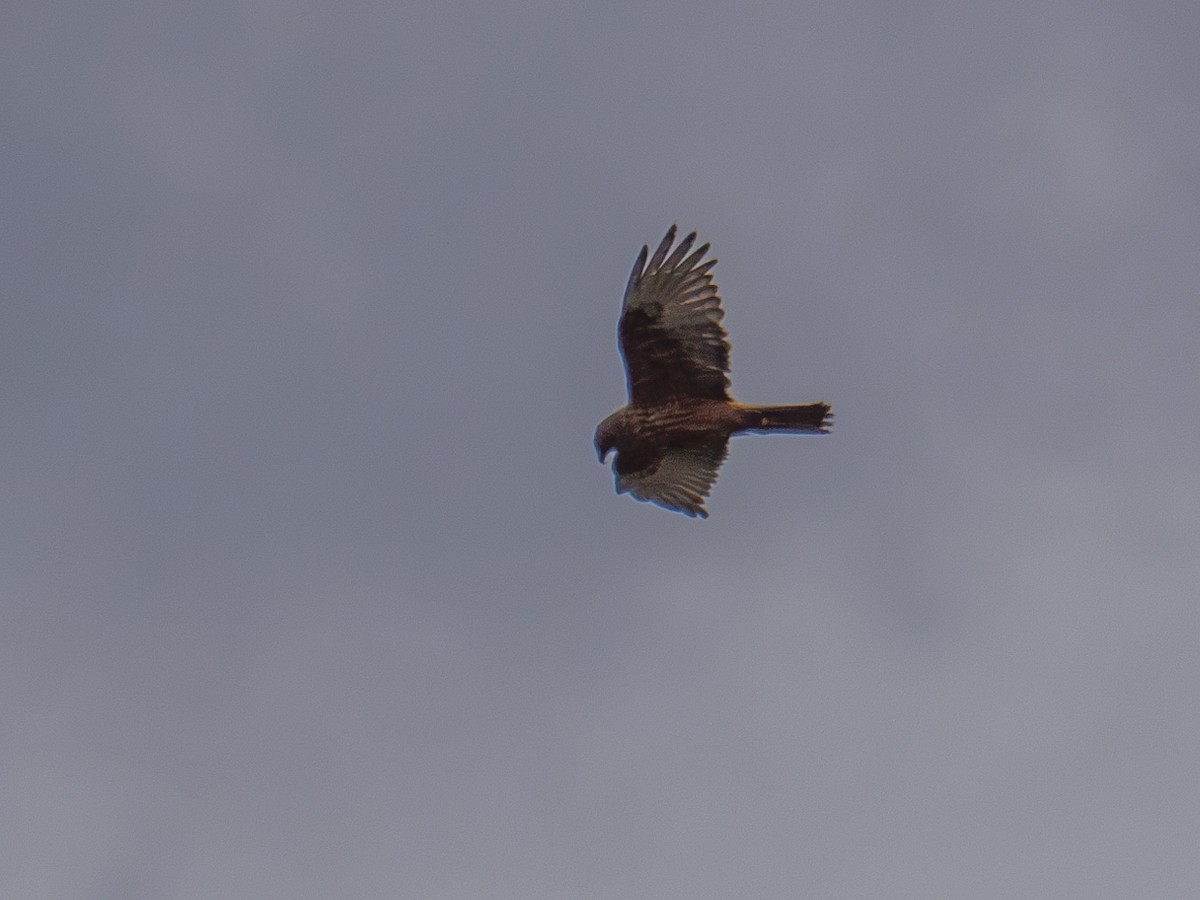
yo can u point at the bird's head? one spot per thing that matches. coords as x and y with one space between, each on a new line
604 441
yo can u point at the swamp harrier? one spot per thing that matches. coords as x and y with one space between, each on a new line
672 437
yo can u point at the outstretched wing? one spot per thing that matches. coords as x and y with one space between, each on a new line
671 334
679 480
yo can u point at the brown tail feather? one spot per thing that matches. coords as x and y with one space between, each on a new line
811 418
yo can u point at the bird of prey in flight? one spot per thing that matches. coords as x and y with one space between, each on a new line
673 435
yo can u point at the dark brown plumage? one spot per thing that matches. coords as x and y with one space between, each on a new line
672 437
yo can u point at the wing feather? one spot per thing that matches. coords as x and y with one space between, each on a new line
679 480
670 331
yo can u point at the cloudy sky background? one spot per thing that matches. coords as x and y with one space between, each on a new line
311 585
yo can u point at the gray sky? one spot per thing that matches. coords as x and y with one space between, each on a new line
311 585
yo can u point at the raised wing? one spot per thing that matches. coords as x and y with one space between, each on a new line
678 480
671 334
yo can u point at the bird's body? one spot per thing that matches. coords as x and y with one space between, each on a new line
635 427
673 435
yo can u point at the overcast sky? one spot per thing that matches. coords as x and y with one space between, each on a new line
311 585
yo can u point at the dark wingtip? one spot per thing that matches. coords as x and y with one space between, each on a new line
681 250
661 253
639 266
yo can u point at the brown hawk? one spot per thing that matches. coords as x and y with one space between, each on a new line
672 437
